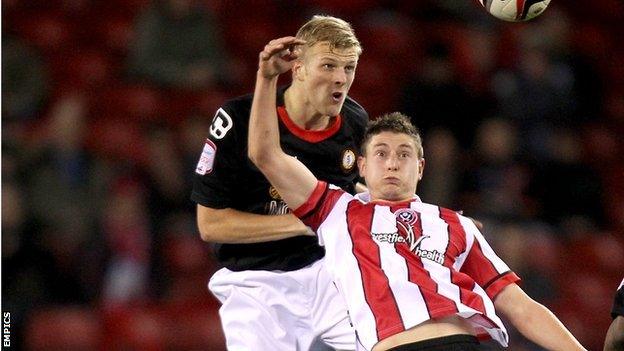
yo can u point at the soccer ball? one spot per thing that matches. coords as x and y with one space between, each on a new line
515 10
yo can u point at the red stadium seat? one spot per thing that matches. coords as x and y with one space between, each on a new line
136 328
63 329
134 102
49 32
82 69
114 138
115 34
195 326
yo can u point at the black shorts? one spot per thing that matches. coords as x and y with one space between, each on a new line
445 343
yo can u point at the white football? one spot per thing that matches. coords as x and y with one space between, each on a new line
515 10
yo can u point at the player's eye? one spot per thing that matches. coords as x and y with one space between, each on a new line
380 153
350 68
328 66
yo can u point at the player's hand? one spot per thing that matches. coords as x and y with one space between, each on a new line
278 56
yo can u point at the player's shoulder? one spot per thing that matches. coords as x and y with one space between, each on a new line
354 112
238 108
231 118
437 210
426 207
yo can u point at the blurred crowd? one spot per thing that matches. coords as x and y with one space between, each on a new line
106 105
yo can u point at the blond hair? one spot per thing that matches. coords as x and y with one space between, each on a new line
337 32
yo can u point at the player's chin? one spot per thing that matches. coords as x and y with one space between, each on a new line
333 107
392 192
333 110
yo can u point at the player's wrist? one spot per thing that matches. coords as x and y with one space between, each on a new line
266 76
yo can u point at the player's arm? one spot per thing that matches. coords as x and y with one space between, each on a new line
216 187
227 225
534 320
294 181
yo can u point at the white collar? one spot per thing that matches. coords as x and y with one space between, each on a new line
364 197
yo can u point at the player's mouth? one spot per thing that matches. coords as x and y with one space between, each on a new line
392 180
337 96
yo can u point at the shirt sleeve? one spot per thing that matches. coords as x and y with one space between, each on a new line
219 164
319 205
484 266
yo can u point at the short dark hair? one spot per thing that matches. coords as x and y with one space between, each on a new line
394 122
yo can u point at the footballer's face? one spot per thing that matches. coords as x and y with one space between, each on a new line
326 75
392 166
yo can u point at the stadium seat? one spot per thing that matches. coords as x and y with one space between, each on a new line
49 32
116 34
115 138
63 328
141 328
195 327
82 69
134 101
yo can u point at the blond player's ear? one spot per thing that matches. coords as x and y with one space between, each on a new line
298 69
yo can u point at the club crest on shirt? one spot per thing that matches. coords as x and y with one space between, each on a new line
405 220
348 160
407 216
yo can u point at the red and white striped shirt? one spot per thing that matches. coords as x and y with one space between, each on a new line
398 265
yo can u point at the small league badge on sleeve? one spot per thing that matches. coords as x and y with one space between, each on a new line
207 158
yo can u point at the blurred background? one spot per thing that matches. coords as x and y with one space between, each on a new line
106 105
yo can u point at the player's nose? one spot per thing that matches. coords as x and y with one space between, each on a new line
392 163
340 77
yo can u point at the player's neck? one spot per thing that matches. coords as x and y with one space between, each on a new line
301 111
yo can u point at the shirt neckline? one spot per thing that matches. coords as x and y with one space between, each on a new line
311 136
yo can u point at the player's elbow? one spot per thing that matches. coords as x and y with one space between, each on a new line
262 159
207 224
253 154
207 231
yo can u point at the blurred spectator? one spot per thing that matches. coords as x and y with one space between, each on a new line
61 169
435 97
165 172
60 183
566 187
24 80
443 169
178 45
166 193
496 179
520 243
548 87
127 232
188 264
